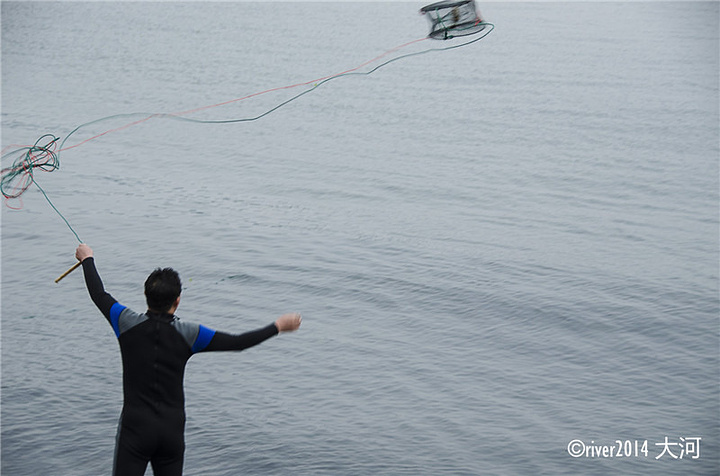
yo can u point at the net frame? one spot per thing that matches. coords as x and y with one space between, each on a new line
452 18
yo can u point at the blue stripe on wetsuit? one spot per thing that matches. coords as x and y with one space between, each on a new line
115 311
205 335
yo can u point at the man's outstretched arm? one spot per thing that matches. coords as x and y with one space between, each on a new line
222 341
103 300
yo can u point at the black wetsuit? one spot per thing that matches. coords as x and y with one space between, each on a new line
155 348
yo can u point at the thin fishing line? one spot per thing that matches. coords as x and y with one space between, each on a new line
316 83
58 211
327 79
178 116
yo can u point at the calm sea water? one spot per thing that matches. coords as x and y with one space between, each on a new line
497 249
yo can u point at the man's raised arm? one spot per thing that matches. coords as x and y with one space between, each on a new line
103 300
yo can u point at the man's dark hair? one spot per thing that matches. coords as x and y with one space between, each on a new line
162 288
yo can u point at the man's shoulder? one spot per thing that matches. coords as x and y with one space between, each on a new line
197 336
123 318
188 330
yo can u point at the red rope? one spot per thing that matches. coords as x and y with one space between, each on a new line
303 83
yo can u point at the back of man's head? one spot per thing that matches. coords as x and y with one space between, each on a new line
162 288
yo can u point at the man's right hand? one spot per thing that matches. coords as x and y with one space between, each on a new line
83 251
288 322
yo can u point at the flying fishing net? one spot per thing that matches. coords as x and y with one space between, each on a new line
451 18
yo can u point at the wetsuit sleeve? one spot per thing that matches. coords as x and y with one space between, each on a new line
102 299
210 340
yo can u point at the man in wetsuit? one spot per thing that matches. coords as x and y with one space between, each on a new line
155 346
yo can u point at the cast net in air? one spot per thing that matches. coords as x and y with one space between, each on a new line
448 19
452 18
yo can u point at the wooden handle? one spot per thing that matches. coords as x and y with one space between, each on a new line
74 267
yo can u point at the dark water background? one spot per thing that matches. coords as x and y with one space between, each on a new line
497 249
